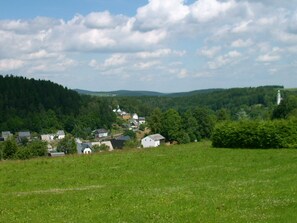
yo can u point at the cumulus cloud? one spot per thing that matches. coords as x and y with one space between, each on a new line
205 10
162 37
160 53
240 43
226 59
157 14
210 52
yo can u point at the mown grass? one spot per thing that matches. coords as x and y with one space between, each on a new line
185 183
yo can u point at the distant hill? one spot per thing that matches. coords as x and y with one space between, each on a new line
123 93
129 93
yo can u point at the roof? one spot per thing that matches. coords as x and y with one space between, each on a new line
141 119
24 134
101 131
6 132
156 137
124 138
60 132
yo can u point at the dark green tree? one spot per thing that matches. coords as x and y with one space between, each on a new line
155 121
9 149
67 145
171 125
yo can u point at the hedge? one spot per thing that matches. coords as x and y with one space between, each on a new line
256 134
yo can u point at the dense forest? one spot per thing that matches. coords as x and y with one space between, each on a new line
43 107
257 102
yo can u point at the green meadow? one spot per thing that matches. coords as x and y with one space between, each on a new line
183 183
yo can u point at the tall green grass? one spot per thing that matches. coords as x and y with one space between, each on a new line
184 183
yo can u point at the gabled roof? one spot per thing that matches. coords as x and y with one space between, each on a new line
60 133
156 137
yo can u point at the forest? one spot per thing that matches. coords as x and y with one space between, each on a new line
42 107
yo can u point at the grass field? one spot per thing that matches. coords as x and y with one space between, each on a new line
186 183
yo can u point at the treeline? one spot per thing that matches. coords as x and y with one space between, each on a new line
257 102
44 107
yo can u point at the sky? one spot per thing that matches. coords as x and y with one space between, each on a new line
156 45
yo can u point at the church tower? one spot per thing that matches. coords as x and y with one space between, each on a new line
278 97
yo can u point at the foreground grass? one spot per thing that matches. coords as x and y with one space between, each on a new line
189 183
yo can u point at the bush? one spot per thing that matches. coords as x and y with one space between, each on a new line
23 153
256 134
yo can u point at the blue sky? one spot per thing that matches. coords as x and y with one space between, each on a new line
160 45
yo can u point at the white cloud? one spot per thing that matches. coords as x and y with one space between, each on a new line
160 53
205 10
210 52
242 27
146 65
240 43
273 55
268 58
182 74
157 14
11 64
226 59
115 60
99 20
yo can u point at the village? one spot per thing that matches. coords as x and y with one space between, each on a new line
101 140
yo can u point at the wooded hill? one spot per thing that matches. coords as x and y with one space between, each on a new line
43 106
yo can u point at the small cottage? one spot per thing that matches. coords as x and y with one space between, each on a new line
60 134
152 141
101 133
6 135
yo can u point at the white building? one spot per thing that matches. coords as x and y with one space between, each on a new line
135 116
47 137
152 141
278 98
60 134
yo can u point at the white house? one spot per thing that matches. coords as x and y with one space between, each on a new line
141 120
60 134
152 141
47 137
101 133
87 151
135 116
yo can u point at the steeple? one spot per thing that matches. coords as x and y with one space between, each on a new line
278 98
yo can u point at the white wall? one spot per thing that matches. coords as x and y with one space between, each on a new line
148 142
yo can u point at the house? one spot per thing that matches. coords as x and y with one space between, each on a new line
133 124
135 116
107 143
101 133
119 142
24 135
60 134
126 116
6 135
152 141
141 120
47 137
87 151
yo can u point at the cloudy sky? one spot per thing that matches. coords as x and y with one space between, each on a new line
160 45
